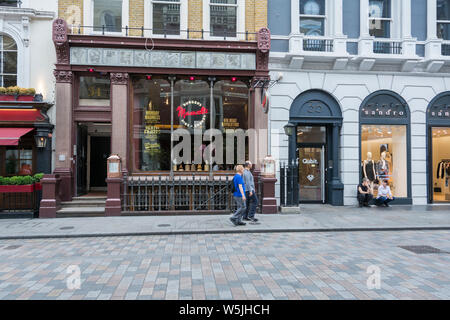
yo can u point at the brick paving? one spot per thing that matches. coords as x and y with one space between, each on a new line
228 266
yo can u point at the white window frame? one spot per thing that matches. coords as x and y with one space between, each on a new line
442 22
148 18
324 17
2 74
88 18
395 19
240 20
329 17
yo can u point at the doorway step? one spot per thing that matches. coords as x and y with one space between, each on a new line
83 207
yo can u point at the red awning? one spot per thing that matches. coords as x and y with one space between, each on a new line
23 115
11 136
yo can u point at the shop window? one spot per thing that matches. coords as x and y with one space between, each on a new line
94 91
223 15
441 163
443 19
166 17
312 17
151 125
307 134
18 161
8 61
380 18
384 156
107 14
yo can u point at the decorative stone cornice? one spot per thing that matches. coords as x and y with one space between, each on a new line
262 56
119 78
63 76
60 39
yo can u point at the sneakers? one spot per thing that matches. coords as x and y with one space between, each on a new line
253 220
233 221
237 223
241 223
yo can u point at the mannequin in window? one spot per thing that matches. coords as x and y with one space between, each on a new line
369 169
383 167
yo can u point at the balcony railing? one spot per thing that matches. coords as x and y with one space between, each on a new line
145 32
318 45
387 47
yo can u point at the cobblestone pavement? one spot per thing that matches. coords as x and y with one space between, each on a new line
231 266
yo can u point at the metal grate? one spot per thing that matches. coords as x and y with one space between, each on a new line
422 249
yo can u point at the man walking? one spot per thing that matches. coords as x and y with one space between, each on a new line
250 194
239 197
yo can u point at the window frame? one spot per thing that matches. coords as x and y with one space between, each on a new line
240 19
2 74
391 20
88 18
324 17
441 22
148 19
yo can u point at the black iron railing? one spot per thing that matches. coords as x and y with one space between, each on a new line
445 49
188 193
142 32
20 202
322 45
289 184
387 47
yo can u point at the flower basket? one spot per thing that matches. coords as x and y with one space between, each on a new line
7 97
25 98
18 189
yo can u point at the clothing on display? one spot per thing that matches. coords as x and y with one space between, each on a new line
369 169
443 169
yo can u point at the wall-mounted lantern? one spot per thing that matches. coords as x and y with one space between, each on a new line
289 129
41 139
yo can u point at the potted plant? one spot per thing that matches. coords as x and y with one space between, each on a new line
19 184
26 94
5 95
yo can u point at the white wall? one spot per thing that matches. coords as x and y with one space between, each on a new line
350 89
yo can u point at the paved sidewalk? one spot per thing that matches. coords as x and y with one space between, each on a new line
313 218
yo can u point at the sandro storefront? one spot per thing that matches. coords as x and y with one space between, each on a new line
121 95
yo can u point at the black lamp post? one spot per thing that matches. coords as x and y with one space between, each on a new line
289 129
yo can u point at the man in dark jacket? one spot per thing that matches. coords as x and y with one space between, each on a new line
252 199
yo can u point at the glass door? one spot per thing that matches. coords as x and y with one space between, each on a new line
312 174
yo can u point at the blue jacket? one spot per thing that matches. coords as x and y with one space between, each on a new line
237 181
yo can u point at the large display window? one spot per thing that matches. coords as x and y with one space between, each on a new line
441 163
384 154
160 106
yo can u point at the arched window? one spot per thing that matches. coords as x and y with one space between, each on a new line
8 61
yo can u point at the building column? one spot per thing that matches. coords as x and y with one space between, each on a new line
431 19
119 109
337 187
433 44
365 44
63 132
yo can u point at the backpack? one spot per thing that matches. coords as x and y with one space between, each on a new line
233 189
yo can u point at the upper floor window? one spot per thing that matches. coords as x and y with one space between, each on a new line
223 18
312 17
443 19
166 17
380 18
8 58
107 15
10 3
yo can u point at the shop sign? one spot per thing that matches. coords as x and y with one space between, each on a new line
440 111
391 110
230 123
310 161
191 109
152 131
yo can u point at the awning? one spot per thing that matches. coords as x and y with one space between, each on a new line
11 136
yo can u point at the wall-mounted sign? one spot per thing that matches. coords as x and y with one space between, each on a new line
440 108
310 161
192 114
230 123
384 106
152 131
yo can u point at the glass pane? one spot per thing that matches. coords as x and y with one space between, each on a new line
9 43
26 154
12 162
443 9
223 21
10 62
312 26
311 134
95 91
231 114
9 81
108 13
151 124
26 167
443 31
312 7
441 164
310 174
384 156
380 8
380 28
9 3
166 19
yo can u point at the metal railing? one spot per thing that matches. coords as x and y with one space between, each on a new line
445 49
289 184
154 32
183 193
320 45
387 47
20 202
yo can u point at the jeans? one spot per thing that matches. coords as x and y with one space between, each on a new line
383 200
237 216
252 202
364 198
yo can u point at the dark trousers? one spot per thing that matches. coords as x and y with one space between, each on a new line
382 200
252 202
364 198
